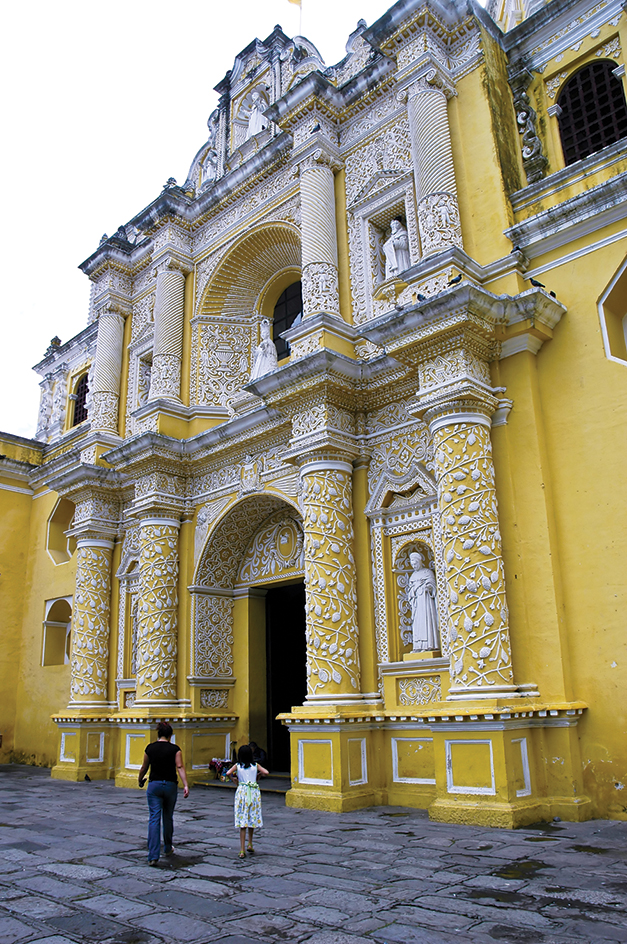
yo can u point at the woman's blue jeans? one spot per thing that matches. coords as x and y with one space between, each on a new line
161 796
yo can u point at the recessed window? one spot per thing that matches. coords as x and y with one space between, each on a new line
613 314
286 311
60 547
56 633
80 400
593 111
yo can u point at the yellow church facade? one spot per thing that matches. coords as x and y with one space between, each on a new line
337 464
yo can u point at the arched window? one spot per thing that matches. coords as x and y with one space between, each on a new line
593 112
80 398
286 311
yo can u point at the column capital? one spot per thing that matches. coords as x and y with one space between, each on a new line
171 261
319 154
460 400
94 491
433 77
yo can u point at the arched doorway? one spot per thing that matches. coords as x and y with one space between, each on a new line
249 649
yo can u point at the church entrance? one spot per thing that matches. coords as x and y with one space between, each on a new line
286 660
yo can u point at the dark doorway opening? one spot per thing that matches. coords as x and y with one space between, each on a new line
286 656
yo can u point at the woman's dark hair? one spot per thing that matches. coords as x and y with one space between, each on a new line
164 730
245 756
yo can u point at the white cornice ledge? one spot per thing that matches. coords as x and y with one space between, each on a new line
579 216
85 476
323 363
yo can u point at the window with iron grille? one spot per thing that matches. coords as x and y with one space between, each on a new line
593 111
286 310
80 408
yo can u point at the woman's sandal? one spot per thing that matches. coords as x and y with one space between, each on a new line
242 855
250 849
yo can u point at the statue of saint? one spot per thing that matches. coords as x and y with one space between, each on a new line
209 169
396 249
421 595
265 355
256 120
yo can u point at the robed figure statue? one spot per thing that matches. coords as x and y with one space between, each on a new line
421 596
265 355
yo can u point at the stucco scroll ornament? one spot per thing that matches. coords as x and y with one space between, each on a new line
213 651
320 288
45 409
265 356
396 250
421 594
534 161
165 377
438 219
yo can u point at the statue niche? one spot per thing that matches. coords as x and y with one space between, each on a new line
417 598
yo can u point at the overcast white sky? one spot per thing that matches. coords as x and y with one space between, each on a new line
102 102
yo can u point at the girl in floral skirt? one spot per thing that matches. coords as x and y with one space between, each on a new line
247 796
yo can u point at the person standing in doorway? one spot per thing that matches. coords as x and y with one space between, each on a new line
165 760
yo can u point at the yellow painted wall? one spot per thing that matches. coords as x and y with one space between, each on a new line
41 690
560 473
15 509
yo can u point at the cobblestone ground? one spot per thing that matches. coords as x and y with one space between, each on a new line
73 869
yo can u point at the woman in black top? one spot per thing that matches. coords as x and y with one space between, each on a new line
164 760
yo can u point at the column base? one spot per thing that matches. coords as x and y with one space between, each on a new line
86 749
333 802
498 764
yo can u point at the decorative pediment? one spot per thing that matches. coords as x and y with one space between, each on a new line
416 487
382 180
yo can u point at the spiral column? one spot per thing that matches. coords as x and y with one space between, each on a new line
91 624
330 582
165 378
158 606
438 208
478 619
105 395
319 237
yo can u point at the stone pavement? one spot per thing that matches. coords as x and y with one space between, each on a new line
73 869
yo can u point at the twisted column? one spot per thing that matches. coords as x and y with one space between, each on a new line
158 605
105 395
438 208
165 378
330 582
478 621
319 238
91 624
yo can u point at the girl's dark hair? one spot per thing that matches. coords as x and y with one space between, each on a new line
245 756
164 730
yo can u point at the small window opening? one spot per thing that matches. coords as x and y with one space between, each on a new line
286 311
56 642
80 400
593 111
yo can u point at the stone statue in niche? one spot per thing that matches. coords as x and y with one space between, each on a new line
421 595
265 355
209 169
396 249
256 120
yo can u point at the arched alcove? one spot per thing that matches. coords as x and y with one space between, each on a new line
251 263
248 617
245 284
